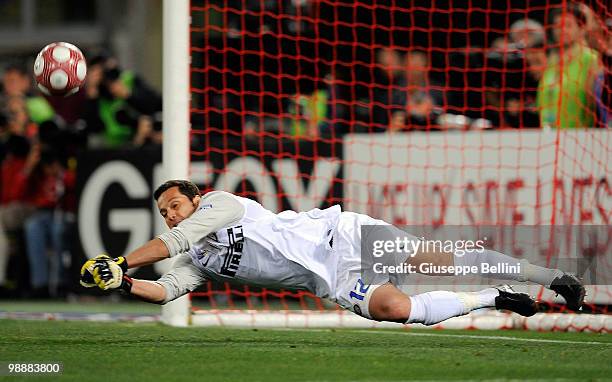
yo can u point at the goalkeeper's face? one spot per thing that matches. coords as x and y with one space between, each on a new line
175 207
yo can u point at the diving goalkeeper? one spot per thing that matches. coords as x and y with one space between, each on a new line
224 237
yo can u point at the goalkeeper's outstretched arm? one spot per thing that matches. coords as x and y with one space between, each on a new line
183 278
108 273
149 253
148 291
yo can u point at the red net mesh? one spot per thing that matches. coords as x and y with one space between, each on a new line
280 88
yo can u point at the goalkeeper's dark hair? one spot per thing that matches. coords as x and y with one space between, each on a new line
187 188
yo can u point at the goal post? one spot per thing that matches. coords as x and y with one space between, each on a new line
389 109
176 106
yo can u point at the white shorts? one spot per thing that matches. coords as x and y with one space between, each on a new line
351 291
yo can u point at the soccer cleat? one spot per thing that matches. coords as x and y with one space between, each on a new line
520 303
571 289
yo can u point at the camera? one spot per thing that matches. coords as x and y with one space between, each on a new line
110 74
512 57
505 66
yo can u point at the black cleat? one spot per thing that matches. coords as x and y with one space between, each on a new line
571 288
520 303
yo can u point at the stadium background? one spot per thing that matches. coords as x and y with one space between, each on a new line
263 76
292 102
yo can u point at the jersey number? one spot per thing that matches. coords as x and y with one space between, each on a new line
359 291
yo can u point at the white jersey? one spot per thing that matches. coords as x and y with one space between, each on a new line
231 238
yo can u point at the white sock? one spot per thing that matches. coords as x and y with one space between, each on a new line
481 299
433 307
528 272
540 275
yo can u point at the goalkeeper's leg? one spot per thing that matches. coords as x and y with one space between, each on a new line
387 303
565 284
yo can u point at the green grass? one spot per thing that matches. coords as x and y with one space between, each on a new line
94 306
152 352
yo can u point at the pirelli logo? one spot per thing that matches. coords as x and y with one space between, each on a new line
234 251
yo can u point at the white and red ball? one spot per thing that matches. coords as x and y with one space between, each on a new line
60 69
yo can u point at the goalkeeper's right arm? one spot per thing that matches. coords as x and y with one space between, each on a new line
109 274
149 253
148 291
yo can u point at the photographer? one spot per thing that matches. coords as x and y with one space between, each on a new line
514 71
421 96
121 106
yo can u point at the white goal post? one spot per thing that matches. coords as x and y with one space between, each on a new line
176 104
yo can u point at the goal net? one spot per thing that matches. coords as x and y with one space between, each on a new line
417 113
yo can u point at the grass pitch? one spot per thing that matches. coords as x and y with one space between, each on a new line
153 352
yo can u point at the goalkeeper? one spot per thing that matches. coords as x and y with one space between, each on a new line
224 237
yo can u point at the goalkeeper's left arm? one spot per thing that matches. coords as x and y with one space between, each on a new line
107 273
110 274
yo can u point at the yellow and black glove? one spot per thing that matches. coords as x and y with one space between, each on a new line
106 273
86 278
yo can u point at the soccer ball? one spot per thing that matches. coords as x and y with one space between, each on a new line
60 69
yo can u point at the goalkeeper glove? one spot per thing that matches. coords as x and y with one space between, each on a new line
108 273
86 278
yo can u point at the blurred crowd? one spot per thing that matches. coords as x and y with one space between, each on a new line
535 76
531 78
40 141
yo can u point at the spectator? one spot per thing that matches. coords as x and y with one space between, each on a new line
19 122
421 98
389 84
599 37
67 130
604 81
121 106
15 169
527 33
16 83
307 114
3 133
44 228
348 108
565 93
514 69
55 119
148 132
521 107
